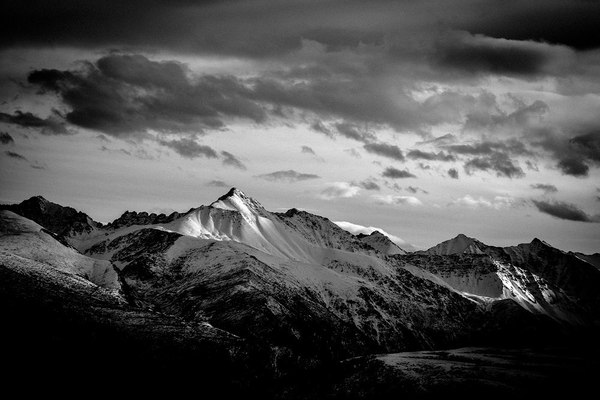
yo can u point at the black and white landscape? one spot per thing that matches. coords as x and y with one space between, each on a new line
239 300
417 211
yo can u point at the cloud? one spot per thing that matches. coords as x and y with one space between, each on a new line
5 138
353 152
498 202
546 188
287 176
318 126
574 167
575 155
49 126
231 160
353 132
16 156
124 95
368 185
339 190
512 146
489 115
415 190
355 229
217 183
446 139
394 173
453 173
189 148
397 199
498 162
430 156
482 54
308 150
563 210
569 23
385 150
587 145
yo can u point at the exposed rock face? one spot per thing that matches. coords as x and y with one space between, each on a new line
130 218
381 243
63 221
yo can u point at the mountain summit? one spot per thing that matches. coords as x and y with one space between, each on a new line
461 244
236 200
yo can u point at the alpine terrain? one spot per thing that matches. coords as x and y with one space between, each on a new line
233 299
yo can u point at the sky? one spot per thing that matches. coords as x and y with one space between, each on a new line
423 119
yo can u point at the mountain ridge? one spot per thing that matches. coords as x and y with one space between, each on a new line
292 289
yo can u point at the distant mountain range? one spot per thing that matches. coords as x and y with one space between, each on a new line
262 302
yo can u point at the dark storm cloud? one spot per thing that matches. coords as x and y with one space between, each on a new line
14 155
260 28
574 156
127 95
5 138
189 148
547 188
478 53
562 210
497 162
232 161
453 173
51 125
201 26
124 95
573 166
385 150
430 156
288 176
588 145
394 173
571 23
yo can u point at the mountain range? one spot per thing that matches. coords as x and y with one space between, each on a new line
289 305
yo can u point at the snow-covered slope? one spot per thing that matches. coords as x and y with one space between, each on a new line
381 243
538 277
236 217
25 239
461 244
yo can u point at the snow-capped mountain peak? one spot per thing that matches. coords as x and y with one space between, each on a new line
461 244
236 200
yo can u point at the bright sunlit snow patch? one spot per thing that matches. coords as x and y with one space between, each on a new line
367 230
